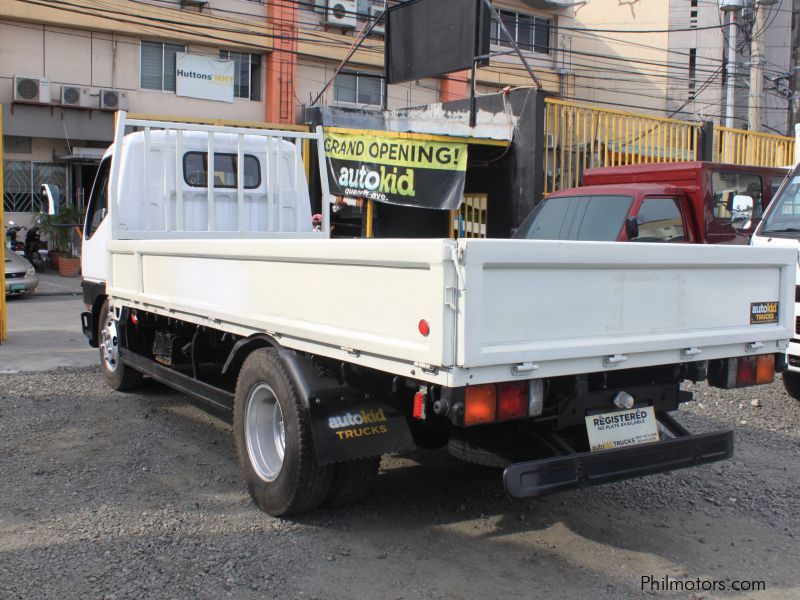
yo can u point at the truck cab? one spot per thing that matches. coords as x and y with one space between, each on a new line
780 228
694 202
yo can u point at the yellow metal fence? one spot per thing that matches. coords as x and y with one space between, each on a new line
578 137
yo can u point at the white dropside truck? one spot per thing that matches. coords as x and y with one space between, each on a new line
780 228
558 361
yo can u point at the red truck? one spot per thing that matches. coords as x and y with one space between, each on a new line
693 202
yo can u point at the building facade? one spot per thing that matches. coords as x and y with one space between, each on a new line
670 58
66 67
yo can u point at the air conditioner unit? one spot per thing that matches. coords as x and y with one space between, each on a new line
376 11
113 100
549 141
75 96
342 13
32 89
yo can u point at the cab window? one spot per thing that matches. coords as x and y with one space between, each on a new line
195 170
660 220
98 199
727 185
586 218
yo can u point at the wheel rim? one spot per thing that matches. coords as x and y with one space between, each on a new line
265 432
109 343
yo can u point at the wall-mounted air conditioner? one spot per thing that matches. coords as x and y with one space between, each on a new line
72 95
32 89
376 11
342 13
113 100
549 141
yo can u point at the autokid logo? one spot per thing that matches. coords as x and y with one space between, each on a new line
384 181
213 77
359 424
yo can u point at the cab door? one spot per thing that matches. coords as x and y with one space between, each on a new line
662 219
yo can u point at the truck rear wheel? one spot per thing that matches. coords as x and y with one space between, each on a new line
118 376
791 381
352 481
274 444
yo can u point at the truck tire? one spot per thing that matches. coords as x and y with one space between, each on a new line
118 376
352 481
273 439
791 381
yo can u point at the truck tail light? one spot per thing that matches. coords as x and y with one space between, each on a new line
765 368
746 371
513 400
481 404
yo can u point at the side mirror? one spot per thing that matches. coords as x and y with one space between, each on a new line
631 228
53 197
742 209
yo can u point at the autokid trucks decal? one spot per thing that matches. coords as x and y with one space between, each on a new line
763 312
347 427
396 170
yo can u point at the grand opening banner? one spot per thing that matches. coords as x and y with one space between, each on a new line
396 170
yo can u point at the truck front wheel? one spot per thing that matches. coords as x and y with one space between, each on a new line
791 381
272 435
118 376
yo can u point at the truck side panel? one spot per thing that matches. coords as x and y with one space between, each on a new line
364 296
529 301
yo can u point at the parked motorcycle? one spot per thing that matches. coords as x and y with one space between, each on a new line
11 236
35 251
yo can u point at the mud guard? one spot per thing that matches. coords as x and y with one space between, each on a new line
346 423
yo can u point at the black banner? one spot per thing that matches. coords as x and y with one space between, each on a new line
396 170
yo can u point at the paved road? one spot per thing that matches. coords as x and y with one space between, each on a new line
111 495
44 332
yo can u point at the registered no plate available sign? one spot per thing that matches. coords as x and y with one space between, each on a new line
622 428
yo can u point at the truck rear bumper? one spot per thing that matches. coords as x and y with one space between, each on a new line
542 477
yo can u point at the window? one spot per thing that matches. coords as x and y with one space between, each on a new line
158 65
195 170
98 200
358 89
725 186
660 220
22 184
14 144
784 215
247 74
588 218
531 33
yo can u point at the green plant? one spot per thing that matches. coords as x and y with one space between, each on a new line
58 227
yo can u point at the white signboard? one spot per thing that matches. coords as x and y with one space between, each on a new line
204 77
622 428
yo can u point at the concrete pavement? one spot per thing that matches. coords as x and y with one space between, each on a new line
44 332
53 284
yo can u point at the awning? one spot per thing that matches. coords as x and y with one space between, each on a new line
84 155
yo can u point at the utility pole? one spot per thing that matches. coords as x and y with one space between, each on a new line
730 92
794 80
756 101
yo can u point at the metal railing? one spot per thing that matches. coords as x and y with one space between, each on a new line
742 147
170 139
580 136
3 313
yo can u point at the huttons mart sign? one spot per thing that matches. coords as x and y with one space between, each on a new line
410 172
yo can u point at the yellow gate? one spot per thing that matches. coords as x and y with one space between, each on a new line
579 137
469 221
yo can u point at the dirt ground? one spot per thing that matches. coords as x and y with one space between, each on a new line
114 495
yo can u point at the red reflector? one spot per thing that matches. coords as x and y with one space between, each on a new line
424 328
513 402
481 404
134 317
419 405
765 368
746 371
